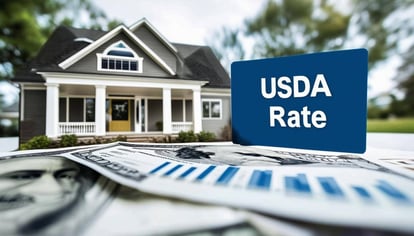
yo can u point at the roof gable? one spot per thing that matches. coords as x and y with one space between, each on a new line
145 23
108 36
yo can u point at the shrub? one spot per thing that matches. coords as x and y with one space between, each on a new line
68 140
205 136
185 137
37 142
121 138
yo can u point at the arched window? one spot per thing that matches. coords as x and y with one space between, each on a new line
119 57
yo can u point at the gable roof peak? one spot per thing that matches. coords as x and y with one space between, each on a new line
109 35
145 22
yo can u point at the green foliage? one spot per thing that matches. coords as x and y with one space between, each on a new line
205 136
25 25
187 136
37 142
68 140
372 20
297 26
190 136
121 138
402 125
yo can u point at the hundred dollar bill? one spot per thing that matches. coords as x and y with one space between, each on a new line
135 213
48 195
328 189
44 194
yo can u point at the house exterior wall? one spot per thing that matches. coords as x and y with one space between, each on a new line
216 125
155 44
63 106
34 114
88 64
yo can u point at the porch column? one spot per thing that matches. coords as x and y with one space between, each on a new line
197 125
100 113
166 111
52 110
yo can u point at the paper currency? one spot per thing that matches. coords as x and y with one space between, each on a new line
325 189
44 194
47 196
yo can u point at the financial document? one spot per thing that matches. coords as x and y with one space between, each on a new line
342 190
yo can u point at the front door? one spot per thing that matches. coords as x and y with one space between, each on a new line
120 115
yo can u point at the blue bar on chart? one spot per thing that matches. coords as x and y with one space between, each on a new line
172 170
187 172
260 179
330 186
391 191
205 173
297 184
362 192
159 167
227 175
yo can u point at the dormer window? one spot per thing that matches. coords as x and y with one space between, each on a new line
119 57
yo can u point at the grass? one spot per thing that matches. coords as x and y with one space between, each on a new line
399 125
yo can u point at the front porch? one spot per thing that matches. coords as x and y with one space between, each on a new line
89 128
93 107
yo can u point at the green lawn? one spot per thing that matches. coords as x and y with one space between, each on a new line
400 125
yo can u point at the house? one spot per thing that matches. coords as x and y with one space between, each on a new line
129 80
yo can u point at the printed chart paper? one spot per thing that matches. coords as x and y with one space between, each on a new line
324 189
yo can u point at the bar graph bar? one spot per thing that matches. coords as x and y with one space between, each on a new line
172 170
391 191
159 167
298 184
260 179
227 175
205 173
187 172
362 192
330 186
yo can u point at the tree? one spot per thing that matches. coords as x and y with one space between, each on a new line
387 27
227 46
405 79
26 24
297 26
284 28
382 25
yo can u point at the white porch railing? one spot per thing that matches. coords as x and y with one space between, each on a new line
78 128
181 126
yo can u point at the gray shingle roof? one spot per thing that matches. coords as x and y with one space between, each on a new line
197 62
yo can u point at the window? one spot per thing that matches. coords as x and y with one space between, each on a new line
119 57
211 108
72 109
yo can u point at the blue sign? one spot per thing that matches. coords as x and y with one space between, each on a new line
313 101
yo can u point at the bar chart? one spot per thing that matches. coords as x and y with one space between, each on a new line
264 179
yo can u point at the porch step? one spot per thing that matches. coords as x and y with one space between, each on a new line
151 138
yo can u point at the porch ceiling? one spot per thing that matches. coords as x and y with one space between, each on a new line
84 90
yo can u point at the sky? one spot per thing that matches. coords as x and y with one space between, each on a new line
183 21
196 21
